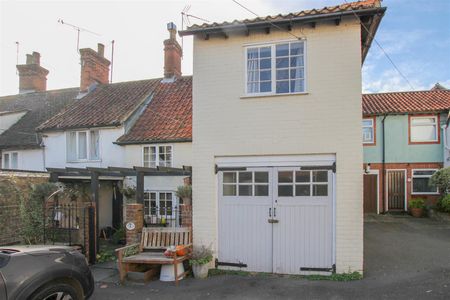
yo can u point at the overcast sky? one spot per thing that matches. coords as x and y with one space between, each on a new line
416 34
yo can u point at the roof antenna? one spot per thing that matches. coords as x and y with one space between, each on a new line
17 56
79 30
185 19
112 61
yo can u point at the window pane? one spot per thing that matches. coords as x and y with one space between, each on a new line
245 190
82 145
282 63
285 191
252 76
285 176
71 145
302 176
261 176
252 87
297 86
265 87
320 176
94 145
297 48
14 160
367 134
282 87
302 190
282 50
265 52
320 190
423 133
229 177
252 53
6 161
265 63
424 172
265 75
261 190
297 61
423 121
245 177
229 190
367 122
283 74
422 185
297 73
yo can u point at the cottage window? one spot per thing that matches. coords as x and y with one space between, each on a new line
368 131
424 129
276 69
83 145
421 182
11 160
159 205
154 156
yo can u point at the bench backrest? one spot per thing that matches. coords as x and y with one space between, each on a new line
162 237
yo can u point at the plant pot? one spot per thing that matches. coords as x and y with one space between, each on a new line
417 212
187 200
200 271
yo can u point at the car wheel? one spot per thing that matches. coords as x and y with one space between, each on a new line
57 291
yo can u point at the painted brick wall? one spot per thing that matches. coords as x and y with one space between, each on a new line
326 120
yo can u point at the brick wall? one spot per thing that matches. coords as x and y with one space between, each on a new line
135 214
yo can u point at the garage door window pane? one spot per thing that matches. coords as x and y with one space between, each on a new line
245 177
302 176
245 190
285 191
261 177
320 176
261 190
302 190
320 190
229 190
229 177
285 176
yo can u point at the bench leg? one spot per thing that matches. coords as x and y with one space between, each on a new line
175 267
123 270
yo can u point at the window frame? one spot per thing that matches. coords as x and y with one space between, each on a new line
175 201
374 131
253 184
10 155
88 146
422 176
273 69
424 116
311 183
143 161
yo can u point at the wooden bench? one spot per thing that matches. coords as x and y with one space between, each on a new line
147 255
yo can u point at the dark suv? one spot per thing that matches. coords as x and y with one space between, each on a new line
44 272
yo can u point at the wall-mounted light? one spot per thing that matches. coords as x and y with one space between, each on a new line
367 168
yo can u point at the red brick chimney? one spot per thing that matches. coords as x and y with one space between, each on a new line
94 67
172 54
32 77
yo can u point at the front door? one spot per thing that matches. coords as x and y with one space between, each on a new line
370 193
396 189
276 219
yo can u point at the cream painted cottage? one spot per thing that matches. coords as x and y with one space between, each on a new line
277 150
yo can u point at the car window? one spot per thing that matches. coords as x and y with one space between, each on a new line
3 259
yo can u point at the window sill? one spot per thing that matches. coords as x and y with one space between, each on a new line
84 161
424 142
273 95
425 193
369 144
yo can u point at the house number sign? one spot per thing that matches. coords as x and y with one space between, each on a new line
130 226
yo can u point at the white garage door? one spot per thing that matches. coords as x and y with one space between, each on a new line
276 219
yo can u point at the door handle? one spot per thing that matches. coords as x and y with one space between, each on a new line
274 212
272 221
270 212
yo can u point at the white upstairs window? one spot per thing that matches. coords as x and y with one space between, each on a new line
424 129
154 156
11 160
368 131
275 69
83 145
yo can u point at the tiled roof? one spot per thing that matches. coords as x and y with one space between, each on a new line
168 117
107 105
346 7
38 107
406 102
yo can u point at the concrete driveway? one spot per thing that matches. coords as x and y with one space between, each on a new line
405 258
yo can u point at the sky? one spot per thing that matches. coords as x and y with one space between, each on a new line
414 33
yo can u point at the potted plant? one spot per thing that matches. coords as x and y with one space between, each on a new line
184 192
130 193
416 206
201 256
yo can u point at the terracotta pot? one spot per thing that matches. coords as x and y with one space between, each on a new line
200 271
417 212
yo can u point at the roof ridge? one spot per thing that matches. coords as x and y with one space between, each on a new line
37 93
404 92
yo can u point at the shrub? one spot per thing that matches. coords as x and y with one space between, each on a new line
417 203
129 193
442 180
184 191
119 235
444 204
201 256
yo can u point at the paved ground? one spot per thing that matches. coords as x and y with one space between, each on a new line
405 258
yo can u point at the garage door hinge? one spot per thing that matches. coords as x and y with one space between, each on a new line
221 263
334 167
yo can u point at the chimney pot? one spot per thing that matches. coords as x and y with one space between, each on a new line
37 58
101 50
30 59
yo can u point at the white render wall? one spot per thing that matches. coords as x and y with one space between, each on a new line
29 159
110 153
326 120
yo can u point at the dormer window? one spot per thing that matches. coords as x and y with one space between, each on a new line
275 68
82 145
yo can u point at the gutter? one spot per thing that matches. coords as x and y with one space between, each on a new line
153 142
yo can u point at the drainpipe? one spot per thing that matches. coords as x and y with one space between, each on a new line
383 167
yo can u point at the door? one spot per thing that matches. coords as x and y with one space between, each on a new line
370 193
396 189
276 219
